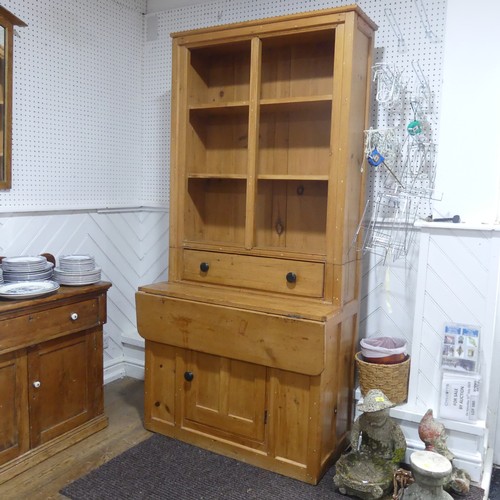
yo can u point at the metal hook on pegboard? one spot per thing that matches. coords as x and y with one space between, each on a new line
395 27
424 20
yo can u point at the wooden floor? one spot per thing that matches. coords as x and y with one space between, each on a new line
123 401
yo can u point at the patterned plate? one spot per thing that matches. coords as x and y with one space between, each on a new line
27 289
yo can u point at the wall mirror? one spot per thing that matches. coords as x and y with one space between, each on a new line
7 23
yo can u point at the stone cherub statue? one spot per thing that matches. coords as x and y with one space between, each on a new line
377 448
433 434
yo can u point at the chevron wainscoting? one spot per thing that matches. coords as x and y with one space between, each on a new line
458 282
131 247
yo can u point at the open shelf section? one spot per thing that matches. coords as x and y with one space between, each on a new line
215 210
219 73
217 143
292 215
298 65
295 141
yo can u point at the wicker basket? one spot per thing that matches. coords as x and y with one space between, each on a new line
392 380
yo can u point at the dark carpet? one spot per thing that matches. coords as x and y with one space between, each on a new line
164 468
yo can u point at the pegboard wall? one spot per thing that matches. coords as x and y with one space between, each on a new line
92 87
408 32
77 105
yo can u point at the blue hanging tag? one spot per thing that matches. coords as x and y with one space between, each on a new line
375 158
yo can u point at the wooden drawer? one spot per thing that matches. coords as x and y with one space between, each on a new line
39 326
259 273
276 341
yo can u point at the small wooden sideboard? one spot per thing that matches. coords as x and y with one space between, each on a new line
51 374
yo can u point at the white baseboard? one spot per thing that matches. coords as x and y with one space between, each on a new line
113 370
130 364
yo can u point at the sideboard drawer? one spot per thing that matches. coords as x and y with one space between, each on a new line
39 326
260 273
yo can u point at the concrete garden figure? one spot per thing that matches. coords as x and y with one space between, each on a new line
377 448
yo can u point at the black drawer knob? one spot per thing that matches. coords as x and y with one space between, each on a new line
188 376
291 277
204 267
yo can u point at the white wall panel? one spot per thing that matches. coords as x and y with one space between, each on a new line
130 247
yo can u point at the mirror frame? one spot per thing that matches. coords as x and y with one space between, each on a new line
8 21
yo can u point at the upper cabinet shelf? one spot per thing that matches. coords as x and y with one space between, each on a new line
298 65
219 75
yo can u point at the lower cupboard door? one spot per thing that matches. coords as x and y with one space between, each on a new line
225 397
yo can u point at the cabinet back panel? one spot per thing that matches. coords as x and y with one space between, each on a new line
292 214
295 143
215 210
297 68
217 144
219 74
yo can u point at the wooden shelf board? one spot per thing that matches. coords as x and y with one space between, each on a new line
295 103
220 107
279 177
202 175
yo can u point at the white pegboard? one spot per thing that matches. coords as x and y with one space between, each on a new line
91 125
157 85
77 105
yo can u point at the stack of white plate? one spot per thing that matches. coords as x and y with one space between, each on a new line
76 270
26 268
1 275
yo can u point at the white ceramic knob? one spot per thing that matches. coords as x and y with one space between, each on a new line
74 316
36 384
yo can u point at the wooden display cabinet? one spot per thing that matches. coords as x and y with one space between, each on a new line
250 344
51 374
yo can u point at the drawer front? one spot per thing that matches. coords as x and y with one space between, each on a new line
259 273
39 326
276 341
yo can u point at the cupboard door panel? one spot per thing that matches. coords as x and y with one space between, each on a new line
61 382
290 412
225 394
14 424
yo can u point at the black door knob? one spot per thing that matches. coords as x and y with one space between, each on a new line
291 277
204 267
188 376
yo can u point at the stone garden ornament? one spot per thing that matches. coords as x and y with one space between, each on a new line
377 448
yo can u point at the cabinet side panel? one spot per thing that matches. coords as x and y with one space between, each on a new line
177 154
159 384
355 179
352 60
329 390
345 376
